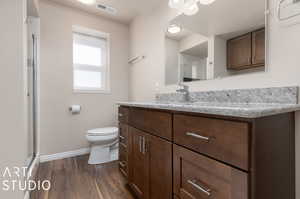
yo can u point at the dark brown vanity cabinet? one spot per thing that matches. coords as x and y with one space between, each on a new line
150 160
258 48
197 156
149 156
246 51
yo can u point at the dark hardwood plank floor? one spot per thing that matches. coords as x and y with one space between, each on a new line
73 178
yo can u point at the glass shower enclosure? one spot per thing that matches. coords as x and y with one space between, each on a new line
32 90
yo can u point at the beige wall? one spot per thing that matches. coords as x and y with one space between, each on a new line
147 37
61 131
283 70
12 115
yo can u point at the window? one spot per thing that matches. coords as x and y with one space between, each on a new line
90 60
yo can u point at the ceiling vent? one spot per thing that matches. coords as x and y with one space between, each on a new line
107 9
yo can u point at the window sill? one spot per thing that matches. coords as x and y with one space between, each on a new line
91 91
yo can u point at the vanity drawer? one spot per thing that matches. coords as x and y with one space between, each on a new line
196 176
123 134
154 122
226 141
123 114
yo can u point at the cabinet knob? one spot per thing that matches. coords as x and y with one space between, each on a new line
120 115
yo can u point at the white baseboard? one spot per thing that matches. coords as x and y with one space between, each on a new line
33 167
63 155
27 195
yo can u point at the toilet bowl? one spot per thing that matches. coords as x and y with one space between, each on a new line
104 145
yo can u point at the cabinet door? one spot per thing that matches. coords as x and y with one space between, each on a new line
160 173
239 52
258 48
138 164
197 176
150 165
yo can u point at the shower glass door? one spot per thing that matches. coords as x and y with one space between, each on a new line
32 96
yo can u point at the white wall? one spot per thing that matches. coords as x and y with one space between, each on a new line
147 37
12 90
61 131
283 67
219 57
172 61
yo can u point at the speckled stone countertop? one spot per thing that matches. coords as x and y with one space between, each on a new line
245 103
225 109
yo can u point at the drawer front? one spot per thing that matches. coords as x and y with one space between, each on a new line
154 122
223 140
196 176
123 114
123 134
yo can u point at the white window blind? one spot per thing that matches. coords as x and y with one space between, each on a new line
90 62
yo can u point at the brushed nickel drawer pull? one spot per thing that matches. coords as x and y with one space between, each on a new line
123 145
200 188
122 164
198 136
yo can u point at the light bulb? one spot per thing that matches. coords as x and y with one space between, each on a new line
174 29
191 9
88 2
206 2
177 4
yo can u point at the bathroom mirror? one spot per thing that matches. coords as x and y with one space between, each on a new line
222 39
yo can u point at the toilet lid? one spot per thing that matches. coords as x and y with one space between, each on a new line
103 131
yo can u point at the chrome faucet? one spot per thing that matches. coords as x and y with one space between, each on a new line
184 89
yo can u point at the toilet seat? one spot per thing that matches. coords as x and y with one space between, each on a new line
103 131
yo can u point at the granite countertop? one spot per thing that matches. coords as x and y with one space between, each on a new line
244 110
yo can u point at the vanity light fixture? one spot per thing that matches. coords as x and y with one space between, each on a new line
188 7
177 4
206 2
174 29
87 2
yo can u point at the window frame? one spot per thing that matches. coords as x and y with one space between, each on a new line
98 34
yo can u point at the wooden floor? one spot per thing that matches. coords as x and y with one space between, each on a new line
73 178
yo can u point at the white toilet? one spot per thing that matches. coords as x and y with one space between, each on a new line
104 145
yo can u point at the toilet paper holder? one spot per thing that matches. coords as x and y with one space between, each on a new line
75 109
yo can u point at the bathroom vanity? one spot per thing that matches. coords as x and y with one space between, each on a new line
185 151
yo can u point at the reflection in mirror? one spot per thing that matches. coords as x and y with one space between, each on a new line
216 42
186 57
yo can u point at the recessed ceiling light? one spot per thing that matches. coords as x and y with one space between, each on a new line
174 29
88 2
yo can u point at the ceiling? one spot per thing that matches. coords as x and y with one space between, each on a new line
200 50
126 9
